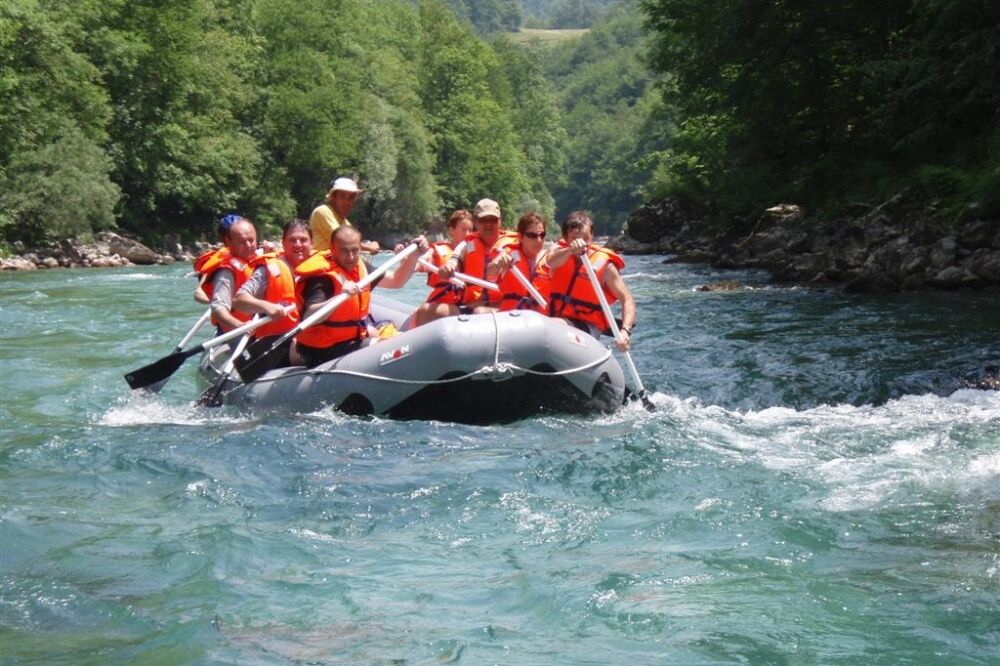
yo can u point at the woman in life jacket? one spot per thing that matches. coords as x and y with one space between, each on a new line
572 297
526 255
270 291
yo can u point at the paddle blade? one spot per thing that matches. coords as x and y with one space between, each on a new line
160 370
212 397
265 358
640 396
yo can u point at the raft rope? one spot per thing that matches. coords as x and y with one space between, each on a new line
497 368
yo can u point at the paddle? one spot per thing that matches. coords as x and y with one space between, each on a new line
616 332
210 398
462 277
162 369
194 329
269 358
526 283
155 388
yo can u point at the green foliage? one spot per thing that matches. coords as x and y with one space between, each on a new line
168 113
565 13
59 190
54 171
818 102
609 111
468 104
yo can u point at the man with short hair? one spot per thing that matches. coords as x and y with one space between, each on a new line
572 297
332 214
477 256
326 275
224 272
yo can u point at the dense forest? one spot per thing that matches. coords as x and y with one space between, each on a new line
828 103
155 117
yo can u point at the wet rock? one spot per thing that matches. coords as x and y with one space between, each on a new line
49 262
628 245
722 285
986 264
944 252
17 264
134 251
954 277
894 246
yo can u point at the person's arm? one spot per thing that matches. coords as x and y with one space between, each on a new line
559 255
199 292
616 285
499 265
316 292
454 262
398 276
222 299
371 247
250 297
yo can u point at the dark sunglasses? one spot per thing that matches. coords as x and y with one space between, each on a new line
534 235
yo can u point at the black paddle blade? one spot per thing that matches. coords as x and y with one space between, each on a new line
157 372
265 357
212 397
640 396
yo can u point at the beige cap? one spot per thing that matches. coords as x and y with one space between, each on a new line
487 208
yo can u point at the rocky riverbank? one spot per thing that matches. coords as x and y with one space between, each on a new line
107 249
885 248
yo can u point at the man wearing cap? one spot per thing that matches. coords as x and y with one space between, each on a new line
478 256
572 297
332 213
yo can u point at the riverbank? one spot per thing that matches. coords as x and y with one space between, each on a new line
106 250
874 249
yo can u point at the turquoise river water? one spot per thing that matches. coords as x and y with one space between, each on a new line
818 485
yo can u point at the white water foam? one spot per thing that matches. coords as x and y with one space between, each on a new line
861 456
127 277
140 408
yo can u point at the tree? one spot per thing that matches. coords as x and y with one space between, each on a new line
54 170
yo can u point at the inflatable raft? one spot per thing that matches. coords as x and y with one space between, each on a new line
484 368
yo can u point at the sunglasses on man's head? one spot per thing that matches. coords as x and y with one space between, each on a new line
534 235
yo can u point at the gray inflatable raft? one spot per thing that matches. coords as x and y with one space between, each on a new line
483 368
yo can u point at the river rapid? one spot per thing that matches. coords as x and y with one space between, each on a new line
818 485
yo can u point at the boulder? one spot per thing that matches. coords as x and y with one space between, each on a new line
17 264
953 277
629 245
986 264
944 252
134 251
722 285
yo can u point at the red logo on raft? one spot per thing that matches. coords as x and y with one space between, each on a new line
394 355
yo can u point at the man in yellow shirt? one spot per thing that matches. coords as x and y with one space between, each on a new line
333 212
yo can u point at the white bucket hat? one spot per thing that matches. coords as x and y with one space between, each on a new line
345 185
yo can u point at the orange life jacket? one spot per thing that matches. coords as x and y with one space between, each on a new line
513 295
280 290
571 294
222 259
345 323
442 291
477 260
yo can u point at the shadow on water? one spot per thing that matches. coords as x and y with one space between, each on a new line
768 345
